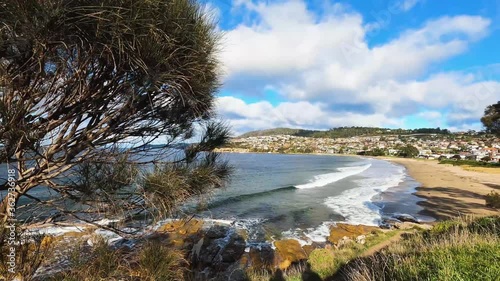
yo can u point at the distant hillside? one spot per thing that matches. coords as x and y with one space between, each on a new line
344 132
279 131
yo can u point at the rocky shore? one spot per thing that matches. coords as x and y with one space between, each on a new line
213 251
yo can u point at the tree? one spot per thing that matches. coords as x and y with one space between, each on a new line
491 119
86 86
408 151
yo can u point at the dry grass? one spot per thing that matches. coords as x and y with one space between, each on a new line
487 170
152 261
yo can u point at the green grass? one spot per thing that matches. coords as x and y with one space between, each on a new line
453 250
470 163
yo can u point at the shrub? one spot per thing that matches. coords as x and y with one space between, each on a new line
31 251
493 200
159 262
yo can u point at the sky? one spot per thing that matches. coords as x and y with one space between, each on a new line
385 63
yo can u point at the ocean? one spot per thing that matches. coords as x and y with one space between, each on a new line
300 196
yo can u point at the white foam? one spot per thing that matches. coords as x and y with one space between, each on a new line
320 233
356 205
56 230
297 234
324 179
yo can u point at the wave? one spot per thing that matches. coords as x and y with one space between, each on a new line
324 179
356 205
243 197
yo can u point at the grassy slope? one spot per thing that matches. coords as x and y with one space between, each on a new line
453 250
463 249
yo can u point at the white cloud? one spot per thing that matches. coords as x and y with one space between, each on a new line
407 5
318 62
262 115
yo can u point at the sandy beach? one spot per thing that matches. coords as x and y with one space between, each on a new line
450 191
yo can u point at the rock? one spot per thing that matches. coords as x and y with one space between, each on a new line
341 230
261 257
182 227
411 225
344 241
217 231
181 234
234 248
235 272
389 223
308 249
406 218
361 239
289 251
217 255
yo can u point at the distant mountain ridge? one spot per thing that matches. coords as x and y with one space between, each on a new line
343 132
278 131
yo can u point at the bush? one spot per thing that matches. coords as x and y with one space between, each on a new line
31 252
492 200
153 261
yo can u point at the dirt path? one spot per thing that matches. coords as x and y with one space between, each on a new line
375 248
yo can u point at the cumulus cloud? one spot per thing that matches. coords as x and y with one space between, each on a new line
318 62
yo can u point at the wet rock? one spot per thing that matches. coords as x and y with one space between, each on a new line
289 251
217 231
406 218
341 230
389 223
234 248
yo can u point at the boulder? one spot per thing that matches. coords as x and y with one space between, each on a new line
234 248
181 234
361 239
217 231
182 227
406 218
289 251
411 225
341 230
389 223
260 257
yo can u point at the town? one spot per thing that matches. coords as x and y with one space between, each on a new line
463 146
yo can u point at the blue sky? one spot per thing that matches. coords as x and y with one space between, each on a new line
390 63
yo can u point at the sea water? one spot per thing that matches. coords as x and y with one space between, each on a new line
300 196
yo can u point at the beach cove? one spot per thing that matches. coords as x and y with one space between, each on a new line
450 191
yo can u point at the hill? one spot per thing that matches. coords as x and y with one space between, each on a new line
279 131
344 132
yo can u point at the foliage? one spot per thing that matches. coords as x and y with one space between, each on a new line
408 151
29 253
492 199
469 163
153 261
376 152
344 132
491 119
486 159
86 86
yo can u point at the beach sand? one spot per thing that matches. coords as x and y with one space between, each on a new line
451 191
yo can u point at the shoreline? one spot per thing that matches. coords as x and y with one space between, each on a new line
449 191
